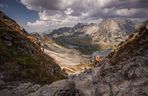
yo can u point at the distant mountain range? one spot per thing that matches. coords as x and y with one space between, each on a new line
124 73
85 41
93 37
25 69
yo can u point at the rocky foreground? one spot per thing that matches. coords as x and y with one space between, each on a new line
124 73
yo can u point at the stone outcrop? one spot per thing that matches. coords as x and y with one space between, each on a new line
123 73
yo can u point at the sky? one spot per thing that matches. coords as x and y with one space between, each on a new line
43 15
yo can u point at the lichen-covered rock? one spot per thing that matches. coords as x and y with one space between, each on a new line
18 89
59 88
2 82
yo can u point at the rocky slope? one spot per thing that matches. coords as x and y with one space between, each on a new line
124 73
80 41
113 31
120 75
21 59
11 23
70 60
93 37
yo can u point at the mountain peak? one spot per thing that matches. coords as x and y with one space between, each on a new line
79 25
11 23
132 45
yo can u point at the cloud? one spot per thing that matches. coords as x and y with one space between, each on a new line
69 11
47 21
41 5
126 12
133 12
57 13
120 4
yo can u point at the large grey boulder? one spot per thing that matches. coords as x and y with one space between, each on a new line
59 88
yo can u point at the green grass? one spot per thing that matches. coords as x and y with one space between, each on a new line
17 65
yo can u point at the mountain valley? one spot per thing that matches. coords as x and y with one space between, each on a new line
62 63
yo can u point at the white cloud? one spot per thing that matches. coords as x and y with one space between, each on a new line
126 12
57 13
51 22
69 11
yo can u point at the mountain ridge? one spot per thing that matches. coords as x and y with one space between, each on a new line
107 34
119 75
123 73
21 58
127 77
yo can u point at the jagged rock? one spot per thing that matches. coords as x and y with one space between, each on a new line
8 43
2 82
125 73
11 23
90 37
18 89
59 88
8 37
117 76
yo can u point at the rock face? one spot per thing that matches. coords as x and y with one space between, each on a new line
59 88
91 37
113 31
126 76
11 23
23 59
18 89
123 74
126 72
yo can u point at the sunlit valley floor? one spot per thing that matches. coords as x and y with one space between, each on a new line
74 48
61 63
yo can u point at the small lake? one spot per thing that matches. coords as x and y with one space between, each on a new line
102 53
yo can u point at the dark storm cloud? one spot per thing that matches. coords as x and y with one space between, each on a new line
95 8
127 4
57 13
115 12
41 4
